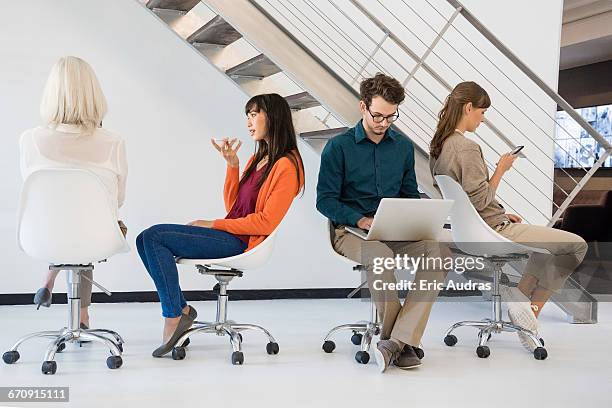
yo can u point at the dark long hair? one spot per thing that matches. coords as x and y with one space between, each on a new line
452 111
282 141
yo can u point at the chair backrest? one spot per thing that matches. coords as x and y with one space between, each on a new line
470 232
66 217
328 237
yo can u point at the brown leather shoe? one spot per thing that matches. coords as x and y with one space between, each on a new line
386 352
407 358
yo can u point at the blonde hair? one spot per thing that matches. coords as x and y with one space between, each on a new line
73 96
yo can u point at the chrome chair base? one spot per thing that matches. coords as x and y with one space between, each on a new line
222 326
494 325
363 333
73 333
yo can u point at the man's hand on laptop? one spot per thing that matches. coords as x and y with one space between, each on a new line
365 223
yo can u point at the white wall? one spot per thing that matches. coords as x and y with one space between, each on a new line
166 101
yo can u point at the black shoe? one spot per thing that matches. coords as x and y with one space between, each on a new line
42 298
183 325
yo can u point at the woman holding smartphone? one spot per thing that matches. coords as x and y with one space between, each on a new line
256 203
454 155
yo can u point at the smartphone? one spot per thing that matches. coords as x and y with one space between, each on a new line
517 149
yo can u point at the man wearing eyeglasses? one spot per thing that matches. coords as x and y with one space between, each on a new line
359 168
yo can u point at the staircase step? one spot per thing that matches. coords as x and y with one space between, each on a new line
259 66
302 100
217 32
178 5
324 134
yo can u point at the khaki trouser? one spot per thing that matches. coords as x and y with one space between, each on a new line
86 285
567 252
406 322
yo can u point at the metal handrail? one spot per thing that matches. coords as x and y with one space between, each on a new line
459 10
562 103
316 58
487 122
440 37
387 33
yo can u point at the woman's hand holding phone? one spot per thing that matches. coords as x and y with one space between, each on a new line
228 151
505 162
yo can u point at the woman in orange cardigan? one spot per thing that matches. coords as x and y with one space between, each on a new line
256 204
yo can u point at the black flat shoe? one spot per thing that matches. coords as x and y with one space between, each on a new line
183 325
42 298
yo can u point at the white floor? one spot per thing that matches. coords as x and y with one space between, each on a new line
578 371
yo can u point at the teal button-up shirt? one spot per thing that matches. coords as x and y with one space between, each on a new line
356 173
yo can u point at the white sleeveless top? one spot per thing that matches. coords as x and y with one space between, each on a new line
101 152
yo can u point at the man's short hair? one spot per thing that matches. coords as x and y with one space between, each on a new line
382 85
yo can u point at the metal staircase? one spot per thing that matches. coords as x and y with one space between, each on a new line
315 53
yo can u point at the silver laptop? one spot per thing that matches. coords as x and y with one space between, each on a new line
406 219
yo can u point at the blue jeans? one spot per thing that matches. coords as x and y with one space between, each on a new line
159 244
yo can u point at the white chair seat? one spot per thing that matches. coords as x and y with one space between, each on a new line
252 259
470 232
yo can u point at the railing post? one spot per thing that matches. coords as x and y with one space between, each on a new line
435 42
363 67
585 179
563 104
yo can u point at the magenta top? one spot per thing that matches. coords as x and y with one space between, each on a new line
246 199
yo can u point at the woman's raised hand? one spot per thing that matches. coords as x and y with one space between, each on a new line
227 150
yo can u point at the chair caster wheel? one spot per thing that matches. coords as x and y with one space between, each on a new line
542 341
450 340
540 353
329 346
419 352
272 348
237 358
49 367
362 357
483 351
114 362
60 347
10 357
356 338
120 347
186 342
179 353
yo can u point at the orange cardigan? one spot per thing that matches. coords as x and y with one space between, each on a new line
273 201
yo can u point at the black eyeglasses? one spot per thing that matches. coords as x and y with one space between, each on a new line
378 118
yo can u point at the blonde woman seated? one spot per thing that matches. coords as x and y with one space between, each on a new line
454 155
72 110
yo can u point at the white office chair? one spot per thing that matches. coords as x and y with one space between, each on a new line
231 267
474 237
363 330
67 220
